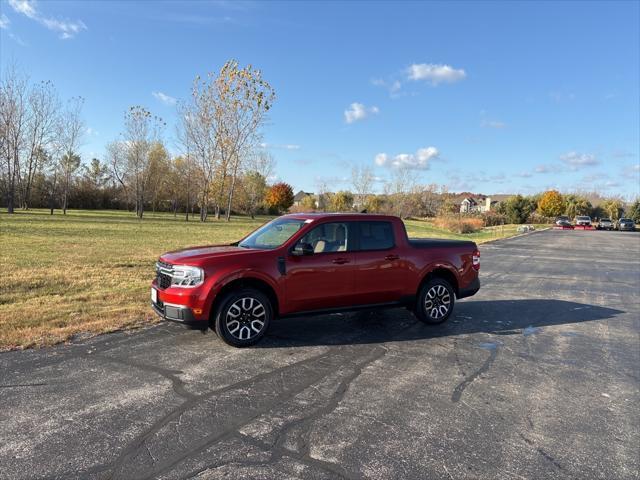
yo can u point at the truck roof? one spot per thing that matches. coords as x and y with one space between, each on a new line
343 216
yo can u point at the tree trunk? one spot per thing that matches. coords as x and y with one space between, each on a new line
233 186
10 200
64 198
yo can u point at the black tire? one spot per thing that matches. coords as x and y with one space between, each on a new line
435 296
239 315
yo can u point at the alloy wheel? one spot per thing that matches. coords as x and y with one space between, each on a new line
437 302
246 318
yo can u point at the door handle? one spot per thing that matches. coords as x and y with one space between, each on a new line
340 261
391 257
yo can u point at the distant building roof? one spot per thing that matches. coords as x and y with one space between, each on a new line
300 195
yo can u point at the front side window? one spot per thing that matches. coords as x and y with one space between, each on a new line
376 235
273 234
328 237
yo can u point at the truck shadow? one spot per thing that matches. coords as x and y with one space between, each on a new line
497 317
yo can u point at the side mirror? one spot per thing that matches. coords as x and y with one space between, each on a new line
302 249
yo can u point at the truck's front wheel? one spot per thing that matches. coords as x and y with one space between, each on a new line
435 301
243 317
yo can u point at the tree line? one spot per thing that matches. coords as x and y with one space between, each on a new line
221 166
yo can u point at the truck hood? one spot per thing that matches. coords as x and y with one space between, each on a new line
195 255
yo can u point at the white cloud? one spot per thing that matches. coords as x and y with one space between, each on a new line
358 111
435 74
393 86
280 146
4 21
413 161
25 7
547 169
164 98
65 28
577 160
492 124
632 170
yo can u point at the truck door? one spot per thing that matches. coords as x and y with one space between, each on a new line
325 278
380 275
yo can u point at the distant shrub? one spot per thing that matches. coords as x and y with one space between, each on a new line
491 219
537 218
459 224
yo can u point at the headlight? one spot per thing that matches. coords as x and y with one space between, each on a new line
185 276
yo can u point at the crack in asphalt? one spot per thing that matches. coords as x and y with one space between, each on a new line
129 452
19 385
457 392
547 456
305 424
177 384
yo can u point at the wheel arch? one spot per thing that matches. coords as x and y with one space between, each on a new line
441 272
246 282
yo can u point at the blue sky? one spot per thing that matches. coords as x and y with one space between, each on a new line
490 97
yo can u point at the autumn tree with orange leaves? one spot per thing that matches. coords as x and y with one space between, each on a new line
279 197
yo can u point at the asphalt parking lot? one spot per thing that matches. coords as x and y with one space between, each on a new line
537 376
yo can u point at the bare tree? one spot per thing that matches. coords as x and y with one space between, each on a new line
362 181
142 131
198 132
221 125
70 131
13 130
398 189
41 129
262 162
116 158
254 182
323 193
244 100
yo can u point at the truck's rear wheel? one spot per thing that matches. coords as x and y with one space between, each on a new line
435 301
243 317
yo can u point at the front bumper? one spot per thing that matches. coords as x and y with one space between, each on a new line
186 305
174 313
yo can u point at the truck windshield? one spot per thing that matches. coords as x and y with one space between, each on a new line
273 234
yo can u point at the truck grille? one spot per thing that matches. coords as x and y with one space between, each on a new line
164 272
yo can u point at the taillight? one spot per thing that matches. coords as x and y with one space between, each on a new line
476 260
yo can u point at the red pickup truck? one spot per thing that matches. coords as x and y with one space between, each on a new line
312 263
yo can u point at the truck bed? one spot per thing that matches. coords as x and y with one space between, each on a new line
439 243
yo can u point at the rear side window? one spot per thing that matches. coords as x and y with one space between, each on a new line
375 235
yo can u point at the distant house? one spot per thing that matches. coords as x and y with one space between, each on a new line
468 205
300 196
481 203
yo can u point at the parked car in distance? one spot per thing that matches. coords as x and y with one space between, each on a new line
583 220
626 225
563 221
605 224
311 263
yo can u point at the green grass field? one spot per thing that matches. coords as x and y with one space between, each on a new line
89 271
